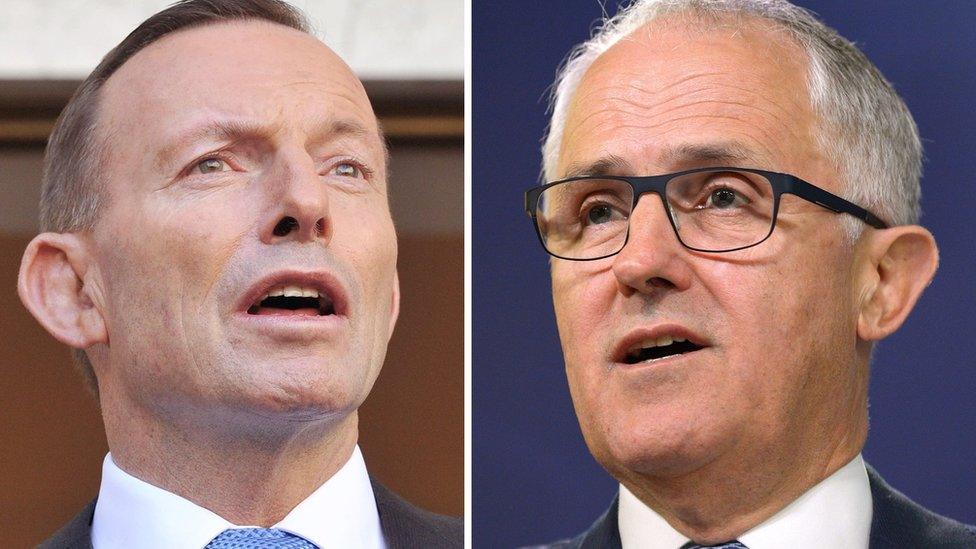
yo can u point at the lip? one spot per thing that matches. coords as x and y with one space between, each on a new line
635 336
322 281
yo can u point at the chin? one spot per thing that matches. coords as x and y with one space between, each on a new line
655 462
659 449
311 399
299 388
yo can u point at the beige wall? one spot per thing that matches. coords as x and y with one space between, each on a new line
379 39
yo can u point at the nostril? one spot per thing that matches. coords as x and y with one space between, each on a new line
658 282
285 226
320 226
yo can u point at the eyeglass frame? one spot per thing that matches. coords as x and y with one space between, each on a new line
640 185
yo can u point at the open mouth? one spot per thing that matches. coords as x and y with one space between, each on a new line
654 349
293 301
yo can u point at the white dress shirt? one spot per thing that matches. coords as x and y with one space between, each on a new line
835 513
134 514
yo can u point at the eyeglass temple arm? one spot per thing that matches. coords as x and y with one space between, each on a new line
532 200
832 202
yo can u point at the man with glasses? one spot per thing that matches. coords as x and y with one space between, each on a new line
218 249
717 299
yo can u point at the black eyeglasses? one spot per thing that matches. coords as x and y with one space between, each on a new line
711 209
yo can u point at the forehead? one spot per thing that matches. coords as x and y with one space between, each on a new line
685 84
253 70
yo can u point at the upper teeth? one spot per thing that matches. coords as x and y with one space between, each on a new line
662 341
290 291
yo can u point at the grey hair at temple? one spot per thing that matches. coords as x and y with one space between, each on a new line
865 130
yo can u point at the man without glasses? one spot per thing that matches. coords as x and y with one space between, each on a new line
732 207
219 249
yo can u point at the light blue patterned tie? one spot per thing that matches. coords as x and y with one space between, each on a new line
734 544
257 538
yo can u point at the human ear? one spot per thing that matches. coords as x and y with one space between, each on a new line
898 265
395 305
50 284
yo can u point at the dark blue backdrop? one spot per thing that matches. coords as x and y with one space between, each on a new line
533 478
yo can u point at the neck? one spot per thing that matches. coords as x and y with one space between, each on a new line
248 475
726 498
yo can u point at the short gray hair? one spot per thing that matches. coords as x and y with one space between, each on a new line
866 130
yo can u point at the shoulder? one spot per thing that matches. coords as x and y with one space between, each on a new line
574 543
900 522
76 534
602 534
406 525
562 544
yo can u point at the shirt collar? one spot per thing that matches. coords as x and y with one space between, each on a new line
133 513
340 513
834 513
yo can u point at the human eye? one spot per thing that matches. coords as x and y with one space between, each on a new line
599 202
349 168
725 198
598 211
726 191
209 165
576 206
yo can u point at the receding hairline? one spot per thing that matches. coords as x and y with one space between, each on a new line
697 20
120 73
104 132
201 26
731 151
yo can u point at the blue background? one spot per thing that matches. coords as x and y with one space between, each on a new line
533 478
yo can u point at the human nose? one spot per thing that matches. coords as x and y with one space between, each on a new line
299 202
652 260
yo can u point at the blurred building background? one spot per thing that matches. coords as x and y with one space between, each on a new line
410 56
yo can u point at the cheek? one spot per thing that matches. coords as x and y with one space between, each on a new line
163 264
144 322
781 294
367 243
781 321
582 299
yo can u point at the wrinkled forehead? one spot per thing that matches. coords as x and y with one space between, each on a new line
680 44
745 77
251 69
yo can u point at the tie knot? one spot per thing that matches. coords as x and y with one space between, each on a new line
255 538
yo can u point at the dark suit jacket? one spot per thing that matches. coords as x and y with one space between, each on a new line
898 523
403 524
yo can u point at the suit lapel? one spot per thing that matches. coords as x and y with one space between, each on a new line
604 534
899 522
74 535
405 525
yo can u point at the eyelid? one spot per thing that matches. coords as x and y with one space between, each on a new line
220 154
603 196
365 171
748 185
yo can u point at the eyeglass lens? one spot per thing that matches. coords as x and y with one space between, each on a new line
711 210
